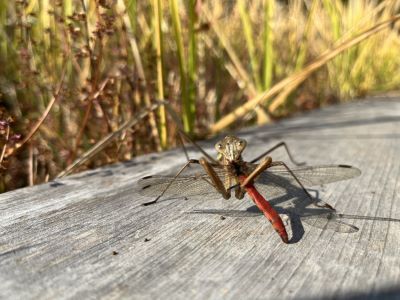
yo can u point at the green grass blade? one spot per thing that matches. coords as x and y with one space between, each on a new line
334 16
248 34
176 23
192 69
158 40
131 9
304 46
268 44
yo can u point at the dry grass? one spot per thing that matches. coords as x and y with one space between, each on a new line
205 58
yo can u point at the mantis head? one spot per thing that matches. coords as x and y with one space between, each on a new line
230 148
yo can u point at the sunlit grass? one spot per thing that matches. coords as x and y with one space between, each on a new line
206 58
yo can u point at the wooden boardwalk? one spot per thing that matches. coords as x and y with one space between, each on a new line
87 236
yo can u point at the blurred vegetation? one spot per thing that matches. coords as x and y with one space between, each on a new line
74 71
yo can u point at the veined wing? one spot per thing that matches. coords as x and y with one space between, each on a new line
279 186
317 175
274 182
193 182
277 181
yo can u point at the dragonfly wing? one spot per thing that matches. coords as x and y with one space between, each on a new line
188 186
272 185
278 182
314 175
279 186
194 182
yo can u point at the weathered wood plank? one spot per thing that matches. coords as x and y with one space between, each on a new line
85 236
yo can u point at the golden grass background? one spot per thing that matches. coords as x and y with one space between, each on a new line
73 72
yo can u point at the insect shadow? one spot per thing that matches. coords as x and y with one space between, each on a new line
285 195
300 201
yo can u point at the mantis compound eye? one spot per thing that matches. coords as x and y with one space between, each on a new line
218 146
241 144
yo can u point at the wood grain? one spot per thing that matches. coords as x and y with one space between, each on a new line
87 236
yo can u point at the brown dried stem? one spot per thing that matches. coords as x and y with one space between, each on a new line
36 127
291 82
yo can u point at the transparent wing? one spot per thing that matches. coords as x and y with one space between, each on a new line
194 182
277 184
278 181
282 190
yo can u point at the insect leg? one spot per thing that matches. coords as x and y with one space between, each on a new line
182 132
265 164
215 178
181 141
190 161
281 163
281 144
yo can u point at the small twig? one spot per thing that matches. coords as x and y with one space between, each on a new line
87 113
30 165
43 117
94 74
100 145
5 145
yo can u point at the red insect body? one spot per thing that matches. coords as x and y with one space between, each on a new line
267 210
